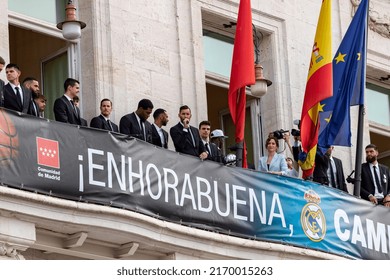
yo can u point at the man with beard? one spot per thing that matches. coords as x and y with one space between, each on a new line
375 178
32 84
186 137
159 135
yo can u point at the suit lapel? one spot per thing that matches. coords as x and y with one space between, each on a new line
26 99
368 171
104 122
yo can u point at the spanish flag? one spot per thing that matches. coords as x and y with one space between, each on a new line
319 86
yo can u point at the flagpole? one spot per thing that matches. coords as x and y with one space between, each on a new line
359 149
239 153
360 127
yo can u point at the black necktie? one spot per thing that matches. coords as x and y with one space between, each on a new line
19 97
208 149
378 183
192 136
333 180
142 130
109 125
74 108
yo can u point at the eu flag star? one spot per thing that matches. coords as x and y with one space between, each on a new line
328 119
340 57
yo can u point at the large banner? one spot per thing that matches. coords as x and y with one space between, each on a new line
100 167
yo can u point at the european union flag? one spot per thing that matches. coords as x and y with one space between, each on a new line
349 71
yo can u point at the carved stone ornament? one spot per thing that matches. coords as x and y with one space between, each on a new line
10 252
379 16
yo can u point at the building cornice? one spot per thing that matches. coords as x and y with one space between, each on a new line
379 16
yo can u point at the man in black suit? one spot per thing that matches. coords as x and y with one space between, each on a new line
328 170
375 178
64 108
186 137
32 85
213 152
16 96
135 124
103 121
159 135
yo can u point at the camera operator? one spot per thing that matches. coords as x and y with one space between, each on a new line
297 148
292 164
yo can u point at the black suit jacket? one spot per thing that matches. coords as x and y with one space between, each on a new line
34 109
65 112
129 125
156 140
367 186
101 123
320 174
216 154
11 102
1 93
183 141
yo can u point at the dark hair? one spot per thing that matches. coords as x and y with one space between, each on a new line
371 146
40 96
145 104
12 65
29 79
158 112
76 99
272 138
70 82
184 107
204 123
2 61
105 99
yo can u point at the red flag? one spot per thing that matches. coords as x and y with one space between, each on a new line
319 86
242 72
48 152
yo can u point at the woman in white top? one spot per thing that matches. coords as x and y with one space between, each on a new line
273 162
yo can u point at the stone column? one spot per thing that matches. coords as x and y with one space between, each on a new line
15 236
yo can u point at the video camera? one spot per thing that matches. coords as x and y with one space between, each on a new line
296 132
350 179
279 133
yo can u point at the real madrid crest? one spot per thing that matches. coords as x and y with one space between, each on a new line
312 218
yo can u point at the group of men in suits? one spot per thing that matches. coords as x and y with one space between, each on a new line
375 185
24 98
187 139
14 95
